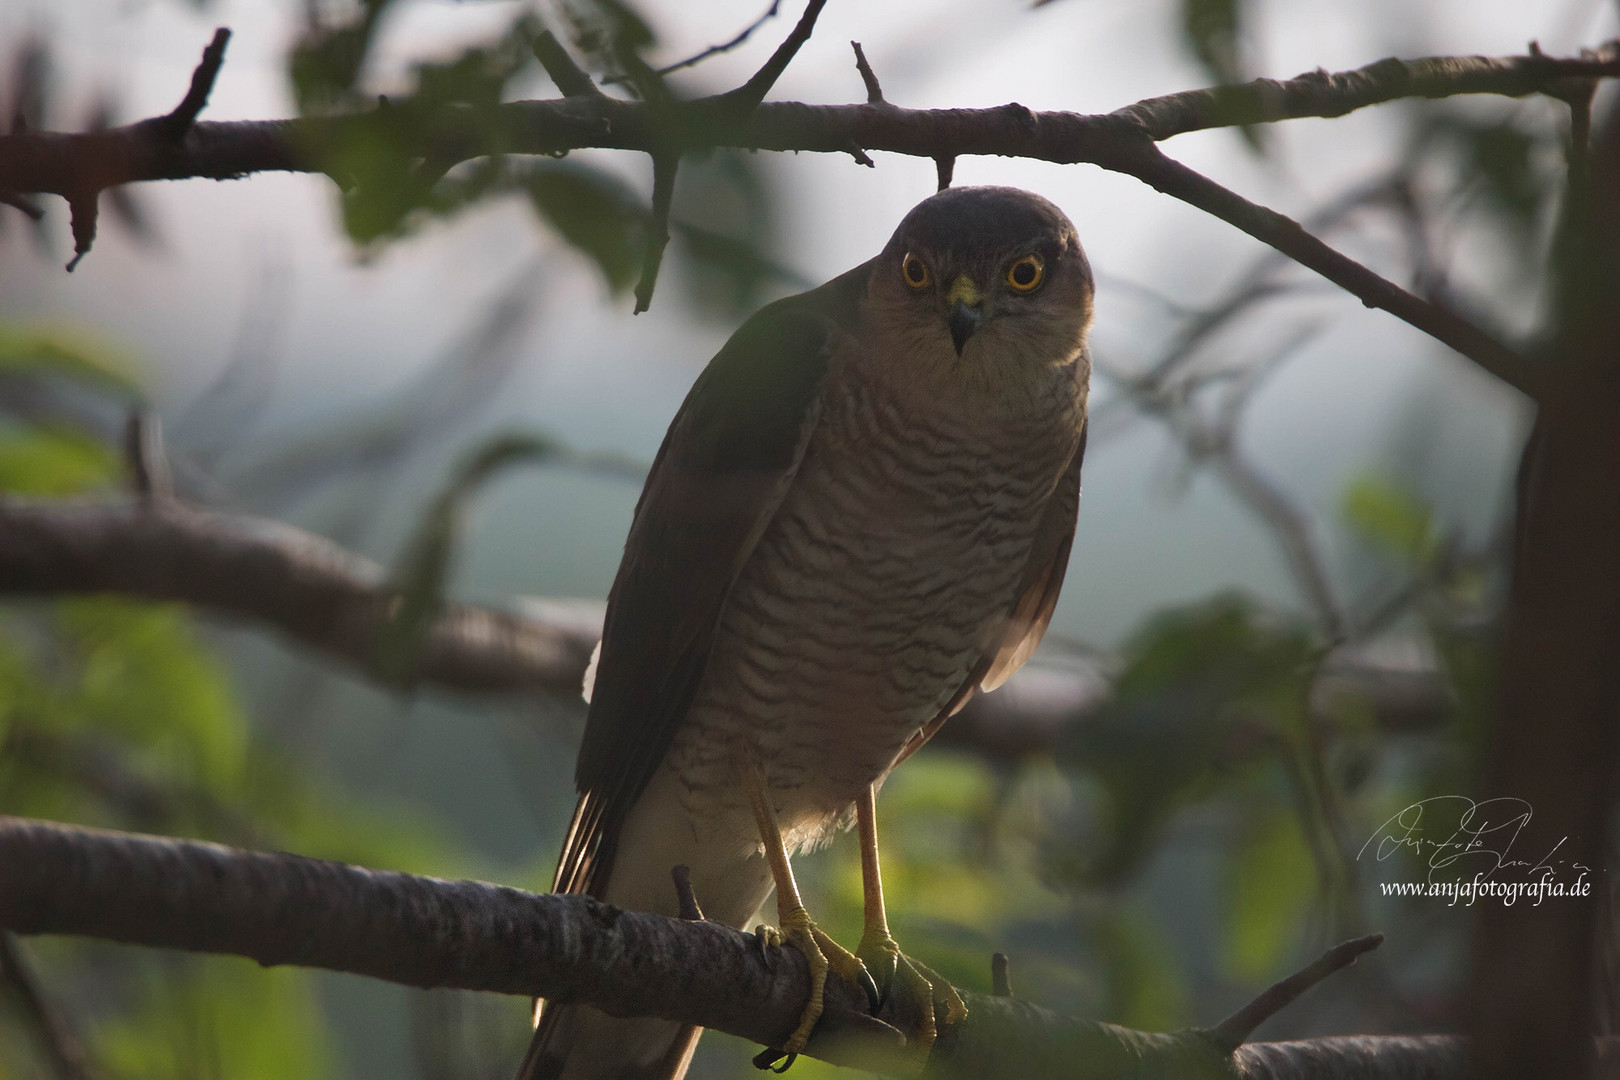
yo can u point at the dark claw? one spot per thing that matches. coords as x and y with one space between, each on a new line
874 997
768 1057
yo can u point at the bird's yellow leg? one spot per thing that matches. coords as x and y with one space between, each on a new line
794 923
924 991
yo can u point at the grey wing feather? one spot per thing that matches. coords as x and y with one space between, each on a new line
725 464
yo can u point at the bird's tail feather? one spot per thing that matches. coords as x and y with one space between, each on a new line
577 1042
629 866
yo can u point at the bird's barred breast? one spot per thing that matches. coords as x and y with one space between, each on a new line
881 580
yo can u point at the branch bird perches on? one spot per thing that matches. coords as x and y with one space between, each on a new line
426 932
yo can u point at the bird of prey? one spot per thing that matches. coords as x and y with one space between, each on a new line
860 516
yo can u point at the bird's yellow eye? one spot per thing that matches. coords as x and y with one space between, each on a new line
1026 273
915 271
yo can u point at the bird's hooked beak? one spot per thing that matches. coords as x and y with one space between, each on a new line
965 311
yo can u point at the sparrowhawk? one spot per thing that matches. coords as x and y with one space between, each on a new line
860 516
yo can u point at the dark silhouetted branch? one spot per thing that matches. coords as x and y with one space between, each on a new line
874 90
570 78
1236 1029
665 166
725 46
1147 163
185 114
747 97
72 165
1324 94
425 932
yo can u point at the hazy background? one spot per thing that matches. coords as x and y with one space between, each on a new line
306 377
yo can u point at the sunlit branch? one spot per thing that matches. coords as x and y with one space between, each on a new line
285 909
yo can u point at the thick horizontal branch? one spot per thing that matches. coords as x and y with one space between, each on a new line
304 585
285 909
57 163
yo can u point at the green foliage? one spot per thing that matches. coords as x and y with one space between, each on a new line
428 153
596 213
1391 518
1202 690
1272 885
53 461
219 1017
117 713
425 565
57 354
1211 30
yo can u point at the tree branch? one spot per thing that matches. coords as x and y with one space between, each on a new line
285 909
338 603
306 586
1321 94
71 165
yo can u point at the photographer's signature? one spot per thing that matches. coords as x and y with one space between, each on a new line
1453 833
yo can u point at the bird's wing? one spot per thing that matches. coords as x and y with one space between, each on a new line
728 459
1032 607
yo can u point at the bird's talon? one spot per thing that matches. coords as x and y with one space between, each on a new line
879 954
767 1058
874 997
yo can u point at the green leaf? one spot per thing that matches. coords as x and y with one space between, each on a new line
219 1016
1391 518
1202 686
66 354
1146 987
1271 884
1213 32
1210 29
424 567
54 461
596 213
143 675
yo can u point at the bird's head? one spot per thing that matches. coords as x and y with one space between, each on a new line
991 274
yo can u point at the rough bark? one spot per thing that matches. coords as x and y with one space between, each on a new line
425 932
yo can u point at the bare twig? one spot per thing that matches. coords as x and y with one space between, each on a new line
747 97
1000 975
83 209
179 122
874 90
725 46
60 1046
144 453
570 78
1146 163
665 166
1235 1029
684 896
